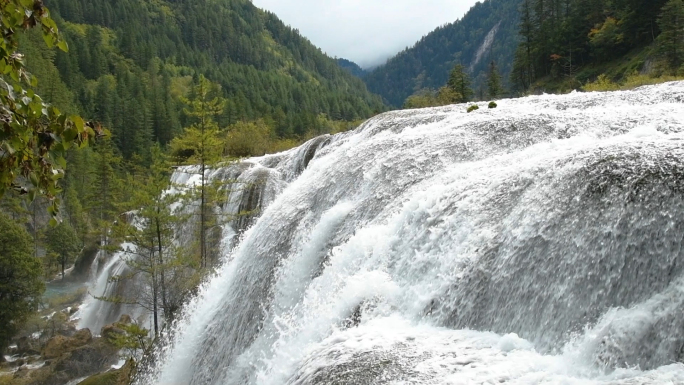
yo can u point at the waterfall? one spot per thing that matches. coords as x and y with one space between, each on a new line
539 242
485 46
249 186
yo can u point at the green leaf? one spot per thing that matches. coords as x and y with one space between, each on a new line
78 122
49 40
33 178
63 45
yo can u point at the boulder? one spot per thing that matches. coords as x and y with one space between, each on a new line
60 345
110 330
67 329
88 360
113 377
27 345
85 261
95 356
56 346
82 336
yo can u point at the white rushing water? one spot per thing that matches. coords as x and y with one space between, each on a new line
536 243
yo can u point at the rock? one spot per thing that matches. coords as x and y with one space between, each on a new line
113 377
88 360
95 356
73 310
109 330
85 261
83 336
56 346
59 345
42 376
67 329
125 319
18 363
108 378
27 345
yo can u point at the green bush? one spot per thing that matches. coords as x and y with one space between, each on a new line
602 83
493 105
473 108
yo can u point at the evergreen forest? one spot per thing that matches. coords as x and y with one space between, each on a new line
426 65
565 43
101 100
129 61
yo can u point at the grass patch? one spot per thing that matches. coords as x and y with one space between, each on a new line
603 83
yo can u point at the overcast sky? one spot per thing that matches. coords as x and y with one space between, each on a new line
367 32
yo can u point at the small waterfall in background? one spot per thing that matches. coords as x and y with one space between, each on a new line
536 243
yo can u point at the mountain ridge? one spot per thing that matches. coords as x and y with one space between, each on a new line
266 70
427 63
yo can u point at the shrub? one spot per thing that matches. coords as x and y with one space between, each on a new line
246 139
602 83
473 108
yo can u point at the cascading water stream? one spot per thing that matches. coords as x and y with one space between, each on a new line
540 242
249 187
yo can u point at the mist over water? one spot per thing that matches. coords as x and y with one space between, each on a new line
536 243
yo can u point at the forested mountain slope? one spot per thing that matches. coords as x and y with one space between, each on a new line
131 60
565 43
428 62
352 67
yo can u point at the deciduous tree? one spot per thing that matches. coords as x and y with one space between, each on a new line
34 136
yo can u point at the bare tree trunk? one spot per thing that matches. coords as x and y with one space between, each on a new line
154 293
161 267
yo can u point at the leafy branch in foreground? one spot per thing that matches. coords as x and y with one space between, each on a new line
34 136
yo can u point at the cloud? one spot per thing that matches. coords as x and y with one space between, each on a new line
367 32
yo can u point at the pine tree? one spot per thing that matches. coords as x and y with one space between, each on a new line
201 141
494 89
152 237
671 40
20 279
459 82
63 242
106 190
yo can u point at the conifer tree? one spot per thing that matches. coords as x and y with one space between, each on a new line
106 190
671 40
151 234
63 242
494 89
459 82
202 143
20 279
